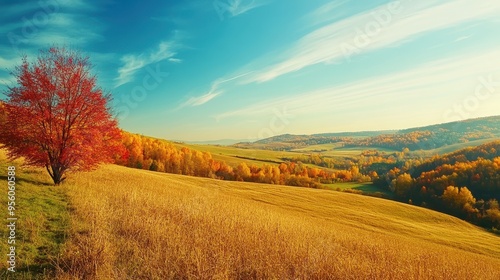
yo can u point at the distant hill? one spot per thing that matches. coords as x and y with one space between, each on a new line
287 142
322 138
222 142
420 138
491 123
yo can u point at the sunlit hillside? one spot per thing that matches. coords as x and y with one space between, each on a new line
136 224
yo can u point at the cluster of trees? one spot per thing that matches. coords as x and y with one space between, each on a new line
418 140
413 140
434 136
487 151
464 183
369 163
373 162
157 155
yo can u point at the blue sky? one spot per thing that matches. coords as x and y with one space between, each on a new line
247 69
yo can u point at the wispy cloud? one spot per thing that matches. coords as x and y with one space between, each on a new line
9 63
133 63
74 27
462 38
40 24
52 22
200 100
327 12
441 78
236 7
239 7
29 27
176 60
329 43
215 90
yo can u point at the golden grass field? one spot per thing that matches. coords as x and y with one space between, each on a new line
122 223
136 224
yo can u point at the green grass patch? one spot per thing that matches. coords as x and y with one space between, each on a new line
362 188
42 222
319 147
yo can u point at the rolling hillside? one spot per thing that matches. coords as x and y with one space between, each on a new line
173 226
199 228
421 138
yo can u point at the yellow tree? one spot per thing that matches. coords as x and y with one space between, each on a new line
242 172
459 199
402 185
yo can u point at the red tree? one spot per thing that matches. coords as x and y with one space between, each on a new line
57 117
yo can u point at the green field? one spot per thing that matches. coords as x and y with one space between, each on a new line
319 147
366 188
233 156
338 150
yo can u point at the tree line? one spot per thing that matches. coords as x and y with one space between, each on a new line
158 155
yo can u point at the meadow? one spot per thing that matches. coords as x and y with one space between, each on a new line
179 227
233 156
122 223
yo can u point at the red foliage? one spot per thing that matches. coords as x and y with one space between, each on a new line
57 117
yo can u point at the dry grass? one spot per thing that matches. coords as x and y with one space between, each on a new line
135 224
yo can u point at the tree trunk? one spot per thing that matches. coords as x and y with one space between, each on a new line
56 172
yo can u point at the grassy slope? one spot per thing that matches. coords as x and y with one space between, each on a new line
176 226
319 147
171 226
42 225
233 156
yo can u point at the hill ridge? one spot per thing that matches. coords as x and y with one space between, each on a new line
418 138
